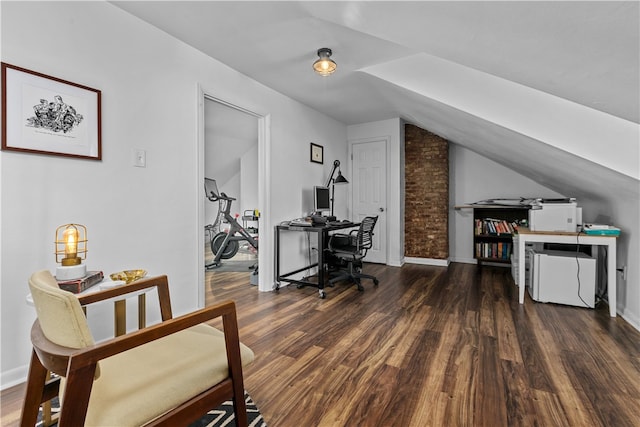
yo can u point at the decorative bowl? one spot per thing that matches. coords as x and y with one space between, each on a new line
128 275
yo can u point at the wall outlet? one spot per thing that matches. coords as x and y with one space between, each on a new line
623 270
139 158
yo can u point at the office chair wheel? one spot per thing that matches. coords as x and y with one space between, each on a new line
360 288
323 295
375 282
229 251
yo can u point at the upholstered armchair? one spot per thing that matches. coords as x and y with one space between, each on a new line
169 374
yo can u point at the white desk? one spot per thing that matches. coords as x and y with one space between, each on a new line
527 236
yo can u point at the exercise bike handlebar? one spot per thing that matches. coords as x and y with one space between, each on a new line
214 198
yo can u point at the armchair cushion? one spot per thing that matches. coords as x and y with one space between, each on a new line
175 366
61 317
60 314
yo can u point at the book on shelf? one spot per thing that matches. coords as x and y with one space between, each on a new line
78 285
495 226
499 251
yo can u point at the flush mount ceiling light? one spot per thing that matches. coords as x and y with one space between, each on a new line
324 65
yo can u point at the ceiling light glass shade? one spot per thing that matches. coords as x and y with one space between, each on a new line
324 65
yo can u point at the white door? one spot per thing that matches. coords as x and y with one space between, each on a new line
369 191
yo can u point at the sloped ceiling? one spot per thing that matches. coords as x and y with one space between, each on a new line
549 89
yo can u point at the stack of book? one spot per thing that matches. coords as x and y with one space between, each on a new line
495 226
601 230
496 250
78 285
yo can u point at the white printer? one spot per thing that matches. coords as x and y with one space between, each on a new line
554 215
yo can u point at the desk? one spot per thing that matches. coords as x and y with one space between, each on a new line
527 236
322 231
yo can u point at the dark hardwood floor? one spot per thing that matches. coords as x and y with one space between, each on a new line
429 346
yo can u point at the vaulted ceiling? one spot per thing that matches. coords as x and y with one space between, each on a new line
550 89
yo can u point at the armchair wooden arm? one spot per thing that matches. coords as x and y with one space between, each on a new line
159 282
56 358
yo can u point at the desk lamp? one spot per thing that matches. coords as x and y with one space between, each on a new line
338 180
71 245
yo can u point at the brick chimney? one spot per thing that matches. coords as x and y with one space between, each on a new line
426 194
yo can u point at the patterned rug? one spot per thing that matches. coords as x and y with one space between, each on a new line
222 416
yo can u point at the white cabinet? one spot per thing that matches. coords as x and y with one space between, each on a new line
562 277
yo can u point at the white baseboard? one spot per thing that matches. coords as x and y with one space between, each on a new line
13 377
631 319
427 261
464 260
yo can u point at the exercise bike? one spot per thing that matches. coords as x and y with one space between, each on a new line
225 245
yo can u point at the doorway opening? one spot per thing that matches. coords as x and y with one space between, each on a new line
231 166
232 150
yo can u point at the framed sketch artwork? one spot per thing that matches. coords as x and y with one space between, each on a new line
48 115
317 153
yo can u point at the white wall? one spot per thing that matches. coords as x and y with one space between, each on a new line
249 180
472 178
136 217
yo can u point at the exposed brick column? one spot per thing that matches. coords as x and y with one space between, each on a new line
426 194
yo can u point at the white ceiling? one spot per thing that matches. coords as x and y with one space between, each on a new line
561 48
389 54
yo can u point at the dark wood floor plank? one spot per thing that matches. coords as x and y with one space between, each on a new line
428 346
591 381
490 400
518 397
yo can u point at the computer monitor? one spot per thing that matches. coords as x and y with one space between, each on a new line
321 199
211 189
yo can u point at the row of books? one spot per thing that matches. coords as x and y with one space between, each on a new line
497 250
495 226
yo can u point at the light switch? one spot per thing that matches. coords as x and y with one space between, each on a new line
139 158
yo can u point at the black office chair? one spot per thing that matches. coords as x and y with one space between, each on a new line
350 249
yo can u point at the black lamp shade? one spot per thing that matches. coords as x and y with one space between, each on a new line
340 179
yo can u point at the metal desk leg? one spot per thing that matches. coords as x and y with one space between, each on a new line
321 243
276 241
142 311
521 266
120 316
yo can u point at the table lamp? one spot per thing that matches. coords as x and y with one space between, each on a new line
71 249
333 181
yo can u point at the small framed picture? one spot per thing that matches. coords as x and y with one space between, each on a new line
317 153
47 115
